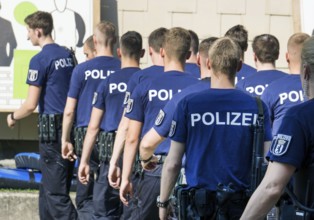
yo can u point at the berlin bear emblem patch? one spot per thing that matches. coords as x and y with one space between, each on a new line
160 117
172 128
280 144
95 98
129 107
32 75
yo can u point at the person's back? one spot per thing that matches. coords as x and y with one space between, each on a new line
291 153
212 129
266 52
48 79
240 35
286 92
191 65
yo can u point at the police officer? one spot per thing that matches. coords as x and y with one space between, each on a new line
105 117
163 120
266 52
191 63
49 77
213 129
155 40
240 35
286 92
85 79
145 102
89 48
291 151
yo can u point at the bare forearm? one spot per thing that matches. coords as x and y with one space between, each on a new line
149 143
25 110
89 143
169 176
119 141
67 124
129 155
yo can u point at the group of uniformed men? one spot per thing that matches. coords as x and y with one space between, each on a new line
134 132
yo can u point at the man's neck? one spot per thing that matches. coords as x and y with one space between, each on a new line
103 51
45 40
264 66
127 62
173 65
221 82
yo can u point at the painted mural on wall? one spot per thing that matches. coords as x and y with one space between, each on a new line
73 20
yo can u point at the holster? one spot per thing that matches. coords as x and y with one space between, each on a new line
48 126
79 136
105 143
195 203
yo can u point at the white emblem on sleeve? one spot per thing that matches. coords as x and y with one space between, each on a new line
32 75
172 128
160 117
280 144
126 98
95 98
129 106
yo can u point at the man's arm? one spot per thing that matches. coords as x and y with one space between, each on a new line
170 172
130 149
89 142
67 123
269 191
148 145
114 171
27 107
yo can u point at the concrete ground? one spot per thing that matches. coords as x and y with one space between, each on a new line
19 204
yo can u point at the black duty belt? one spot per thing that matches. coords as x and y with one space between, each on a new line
48 126
105 144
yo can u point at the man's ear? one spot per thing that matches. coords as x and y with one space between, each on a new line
188 55
198 59
208 64
162 52
306 72
150 51
119 52
254 57
239 65
142 53
38 32
287 57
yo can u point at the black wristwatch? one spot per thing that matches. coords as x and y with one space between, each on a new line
12 116
162 204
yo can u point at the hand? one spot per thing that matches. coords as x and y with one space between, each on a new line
126 192
10 122
150 165
114 176
83 173
68 151
163 213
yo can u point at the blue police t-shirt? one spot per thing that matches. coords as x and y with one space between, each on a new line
216 127
244 72
51 69
257 82
85 79
164 118
148 73
281 95
294 141
193 69
151 96
110 96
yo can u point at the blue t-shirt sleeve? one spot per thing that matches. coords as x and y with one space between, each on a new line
76 83
267 99
178 129
289 145
164 118
267 124
100 95
36 73
135 106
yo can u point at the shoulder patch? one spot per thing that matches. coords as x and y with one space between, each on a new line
280 144
95 98
129 106
32 75
173 128
126 98
160 117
